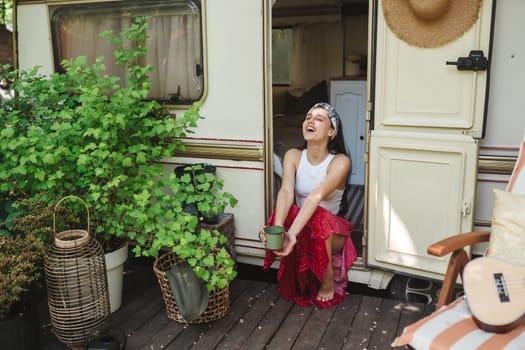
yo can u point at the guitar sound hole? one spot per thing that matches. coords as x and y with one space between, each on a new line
501 288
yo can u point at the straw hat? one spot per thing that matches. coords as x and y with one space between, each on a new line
430 23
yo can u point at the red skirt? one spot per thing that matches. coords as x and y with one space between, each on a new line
300 273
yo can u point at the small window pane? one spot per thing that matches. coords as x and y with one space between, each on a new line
174 44
282 41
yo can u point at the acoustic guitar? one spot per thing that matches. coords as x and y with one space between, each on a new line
495 293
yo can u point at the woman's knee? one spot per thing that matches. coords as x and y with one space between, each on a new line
338 243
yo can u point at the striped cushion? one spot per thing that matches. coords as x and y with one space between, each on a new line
453 328
516 183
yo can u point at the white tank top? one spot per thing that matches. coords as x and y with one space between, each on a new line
307 178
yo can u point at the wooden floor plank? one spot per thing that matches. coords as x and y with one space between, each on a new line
190 334
258 318
221 327
362 326
237 336
237 287
271 322
290 329
155 334
335 334
385 326
133 315
313 330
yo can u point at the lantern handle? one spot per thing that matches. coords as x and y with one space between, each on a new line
56 208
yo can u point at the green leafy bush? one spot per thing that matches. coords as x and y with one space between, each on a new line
85 133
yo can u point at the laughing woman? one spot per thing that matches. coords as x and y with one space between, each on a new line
317 251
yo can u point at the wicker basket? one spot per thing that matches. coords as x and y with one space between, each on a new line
76 284
218 303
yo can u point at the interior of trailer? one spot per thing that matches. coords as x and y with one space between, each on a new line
319 53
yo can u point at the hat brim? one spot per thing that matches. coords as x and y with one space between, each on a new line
458 18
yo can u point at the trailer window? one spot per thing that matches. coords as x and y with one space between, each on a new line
282 41
174 45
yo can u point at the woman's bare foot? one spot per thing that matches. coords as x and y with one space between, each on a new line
326 291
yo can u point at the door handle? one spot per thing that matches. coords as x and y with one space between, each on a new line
475 61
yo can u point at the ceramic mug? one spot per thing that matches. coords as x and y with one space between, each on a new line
274 237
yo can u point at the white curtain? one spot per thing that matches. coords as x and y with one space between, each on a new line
317 53
174 48
80 36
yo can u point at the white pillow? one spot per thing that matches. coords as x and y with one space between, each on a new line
507 238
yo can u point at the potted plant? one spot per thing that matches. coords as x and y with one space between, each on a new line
201 191
20 267
187 241
86 133
24 229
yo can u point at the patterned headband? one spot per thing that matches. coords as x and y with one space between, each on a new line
332 114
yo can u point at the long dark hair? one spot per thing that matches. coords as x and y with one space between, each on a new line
337 144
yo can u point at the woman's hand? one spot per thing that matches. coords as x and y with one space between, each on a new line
289 242
262 236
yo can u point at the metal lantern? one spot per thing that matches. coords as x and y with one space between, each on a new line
76 283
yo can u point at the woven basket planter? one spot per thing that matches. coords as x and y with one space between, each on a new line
218 304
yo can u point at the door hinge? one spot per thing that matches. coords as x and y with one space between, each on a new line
370 106
466 208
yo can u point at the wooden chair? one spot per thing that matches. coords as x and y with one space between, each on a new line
459 258
457 244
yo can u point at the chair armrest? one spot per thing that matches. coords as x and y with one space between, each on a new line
458 260
457 242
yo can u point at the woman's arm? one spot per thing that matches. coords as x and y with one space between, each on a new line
286 194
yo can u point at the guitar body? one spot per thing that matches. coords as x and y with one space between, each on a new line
495 293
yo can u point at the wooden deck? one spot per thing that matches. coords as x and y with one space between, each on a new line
258 318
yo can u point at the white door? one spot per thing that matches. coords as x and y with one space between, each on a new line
423 150
349 99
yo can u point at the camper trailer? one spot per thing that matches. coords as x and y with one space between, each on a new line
430 130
